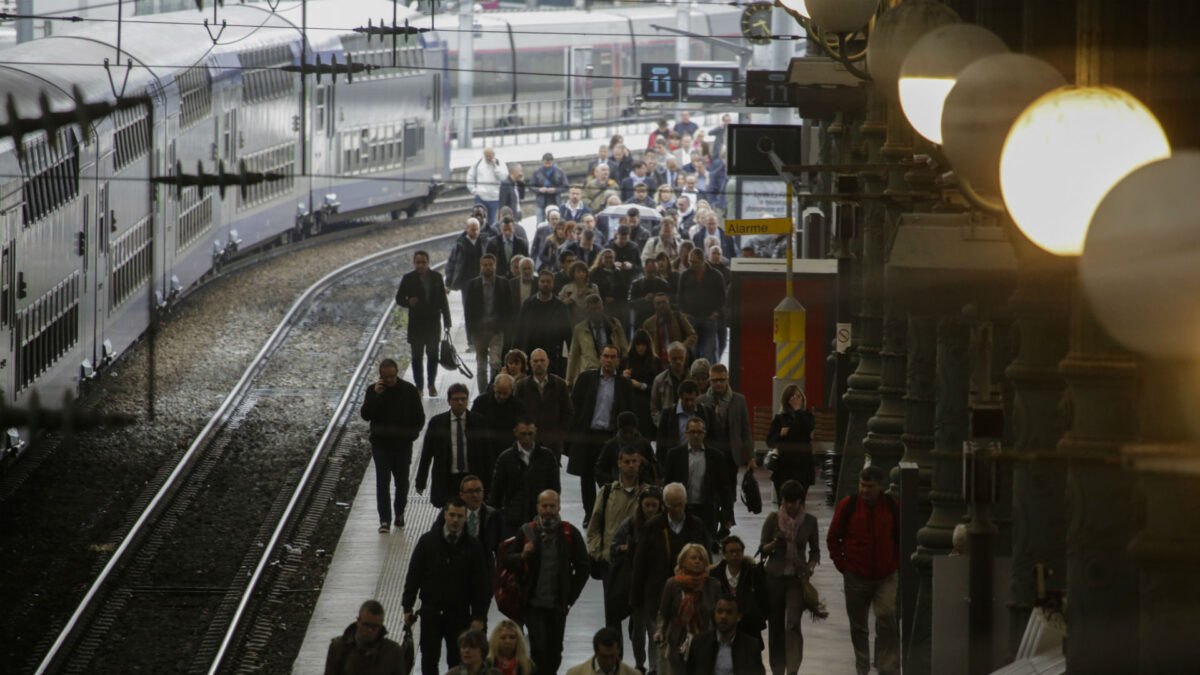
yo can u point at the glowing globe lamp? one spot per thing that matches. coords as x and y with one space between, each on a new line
841 16
1065 152
931 69
896 31
1140 267
986 99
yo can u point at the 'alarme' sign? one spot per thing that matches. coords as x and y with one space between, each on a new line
758 226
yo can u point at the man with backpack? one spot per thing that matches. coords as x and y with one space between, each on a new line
551 558
617 501
864 544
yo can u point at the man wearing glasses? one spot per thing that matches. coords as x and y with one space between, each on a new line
703 471
730 432
482 522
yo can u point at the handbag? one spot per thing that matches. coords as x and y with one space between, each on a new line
448 356
751 495
772 460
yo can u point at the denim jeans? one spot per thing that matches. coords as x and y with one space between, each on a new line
492 208
425 360
706 338
391 462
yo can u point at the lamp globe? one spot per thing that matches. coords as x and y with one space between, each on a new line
931 69
985 101
895 33
1065 152
841 16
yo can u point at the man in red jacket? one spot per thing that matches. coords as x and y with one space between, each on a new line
864 544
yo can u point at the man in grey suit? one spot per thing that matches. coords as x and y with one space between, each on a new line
731 431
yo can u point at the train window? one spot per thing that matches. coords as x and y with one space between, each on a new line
47 330
320 108
131 262
261 78
195 217
437 96
279 160
195 96
131 136
50 177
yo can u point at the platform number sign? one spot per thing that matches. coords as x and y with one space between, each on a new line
660 82
705 83
768 89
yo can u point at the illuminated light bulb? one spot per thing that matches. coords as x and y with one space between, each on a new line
841 16
1064 153
987 98
1140 267
931 69
895 33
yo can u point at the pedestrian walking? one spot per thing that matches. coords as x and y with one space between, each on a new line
453 448
606 656
363 648
686 607
785 535
448 572
523 472
624 545
617 501
507 651
551 558
791 435
864 544
423 293
725 650
393 407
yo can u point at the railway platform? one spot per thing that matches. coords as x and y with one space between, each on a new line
368 565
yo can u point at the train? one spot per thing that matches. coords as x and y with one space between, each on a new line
91 248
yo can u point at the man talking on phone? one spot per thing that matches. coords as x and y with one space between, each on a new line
393 407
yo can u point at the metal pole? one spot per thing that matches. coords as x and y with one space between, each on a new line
466 70
791 240
24 26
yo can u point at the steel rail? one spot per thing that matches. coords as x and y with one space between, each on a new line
216 421
335 422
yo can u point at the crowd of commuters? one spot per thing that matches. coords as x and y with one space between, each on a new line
600 341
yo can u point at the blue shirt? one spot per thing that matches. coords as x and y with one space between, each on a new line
602 414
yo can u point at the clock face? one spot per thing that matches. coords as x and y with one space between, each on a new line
756 23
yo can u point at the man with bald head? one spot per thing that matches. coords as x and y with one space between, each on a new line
499 410
483 181
523 471
551 558
547 399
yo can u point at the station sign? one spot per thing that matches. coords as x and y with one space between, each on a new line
755 226
769 89
660 82
710 82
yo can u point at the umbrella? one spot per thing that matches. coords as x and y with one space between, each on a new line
615 212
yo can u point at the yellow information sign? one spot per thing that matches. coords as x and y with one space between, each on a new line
758 226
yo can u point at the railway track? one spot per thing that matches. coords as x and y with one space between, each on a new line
240 487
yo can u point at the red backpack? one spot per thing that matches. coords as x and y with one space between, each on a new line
510 599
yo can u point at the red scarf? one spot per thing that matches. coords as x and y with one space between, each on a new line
689 615
506 666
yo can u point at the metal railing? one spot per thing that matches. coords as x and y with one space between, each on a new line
550 120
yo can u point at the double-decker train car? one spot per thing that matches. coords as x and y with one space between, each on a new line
88 244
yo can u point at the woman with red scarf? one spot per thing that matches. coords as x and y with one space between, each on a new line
785 535
686 609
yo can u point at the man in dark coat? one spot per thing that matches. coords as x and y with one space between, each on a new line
523 471
448 568
628 436
463 264
701 297
364 649
512 190
500 411
482 521
546 323
455 446
547 400
507 245
393 407
672 420
549 182
709 496
655 556
423 294
487 306
599 397
551 558
744 651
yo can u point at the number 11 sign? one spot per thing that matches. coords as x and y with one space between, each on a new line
660 82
